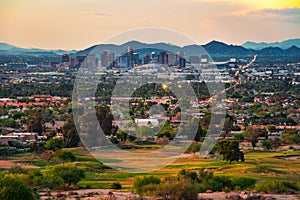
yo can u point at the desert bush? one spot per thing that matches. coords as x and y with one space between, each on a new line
275 186
177 189
243 183
116 185
145 185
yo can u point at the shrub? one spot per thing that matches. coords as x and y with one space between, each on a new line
54 144
177 189
6 151
70 174
13 188
18 145
243 183
140 184
275 186
17 170
116 185
216 184
66 156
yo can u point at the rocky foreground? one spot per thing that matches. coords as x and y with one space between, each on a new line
102 194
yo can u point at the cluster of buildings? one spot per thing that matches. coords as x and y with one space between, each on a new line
131 58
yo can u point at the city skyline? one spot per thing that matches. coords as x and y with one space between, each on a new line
80 24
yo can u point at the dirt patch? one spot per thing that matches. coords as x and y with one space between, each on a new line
6 164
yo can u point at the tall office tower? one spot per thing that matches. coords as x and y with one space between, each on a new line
146 59
72 62
91 61
181 63
80 60
163 58
107 58
65 58
123 62
135 59
179 55
171 58
153 57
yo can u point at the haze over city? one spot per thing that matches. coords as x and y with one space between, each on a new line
79 24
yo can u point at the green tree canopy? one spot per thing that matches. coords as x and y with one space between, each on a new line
66 156
54 144
230 151
13 188
71 137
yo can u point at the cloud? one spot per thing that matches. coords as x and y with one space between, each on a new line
285 15
95 13
283 12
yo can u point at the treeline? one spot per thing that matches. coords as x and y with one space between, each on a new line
20 184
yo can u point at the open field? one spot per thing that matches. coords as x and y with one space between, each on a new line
261 165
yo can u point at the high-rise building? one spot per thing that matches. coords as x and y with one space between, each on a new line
90 61
146 59
80 61
179 55
154 58
65 58
107 58
181 63
163 58
123 61
72 62
135 59
171 58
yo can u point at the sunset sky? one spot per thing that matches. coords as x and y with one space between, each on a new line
77 24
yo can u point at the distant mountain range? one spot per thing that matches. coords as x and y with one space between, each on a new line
13 50
283 45
215 48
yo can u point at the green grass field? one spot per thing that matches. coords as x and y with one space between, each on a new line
261 165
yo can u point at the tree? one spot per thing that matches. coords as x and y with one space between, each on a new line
196 148
290 136
105 118
176 189
266 144
252 136
71 137
66 156
227 126
50 181
141 185
230 150
271 128
122 136
70 174
10 122
13 188
274 143
34 121
54 144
